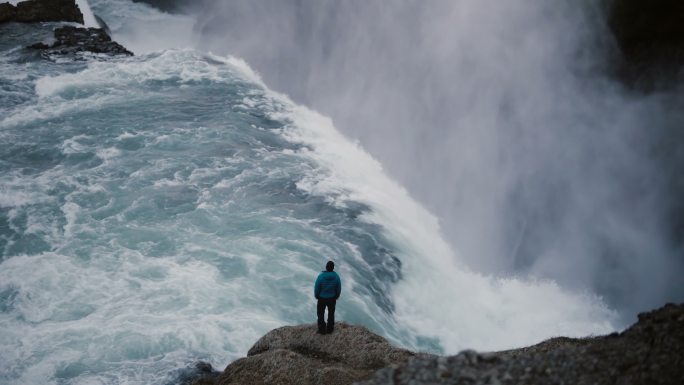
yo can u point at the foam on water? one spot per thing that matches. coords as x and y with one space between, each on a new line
152 219
166 208
439 297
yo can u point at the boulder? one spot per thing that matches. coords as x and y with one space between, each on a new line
71 40
298 355
7 12
48 10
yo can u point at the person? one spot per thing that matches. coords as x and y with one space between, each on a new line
327 290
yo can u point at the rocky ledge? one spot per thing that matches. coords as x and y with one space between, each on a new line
650 352
72 40
298 355
31 11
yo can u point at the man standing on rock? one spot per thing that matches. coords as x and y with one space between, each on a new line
327 290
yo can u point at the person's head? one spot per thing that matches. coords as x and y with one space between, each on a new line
330 266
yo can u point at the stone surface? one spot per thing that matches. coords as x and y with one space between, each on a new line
298 355
7 12
40 11
650 34
650 352
72 40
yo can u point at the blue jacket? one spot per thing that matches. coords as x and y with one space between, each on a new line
327 285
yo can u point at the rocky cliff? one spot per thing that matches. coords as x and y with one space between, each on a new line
41 10
72 40
650 352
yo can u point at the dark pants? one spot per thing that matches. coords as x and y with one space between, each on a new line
320 310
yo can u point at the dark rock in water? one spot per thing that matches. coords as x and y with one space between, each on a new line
198 374
71 40
298 355
651 37
41 10
650 352
7 12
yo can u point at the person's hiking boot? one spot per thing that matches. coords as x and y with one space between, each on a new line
329 331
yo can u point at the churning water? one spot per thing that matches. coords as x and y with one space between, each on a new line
167 208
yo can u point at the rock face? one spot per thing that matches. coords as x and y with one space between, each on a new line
71 40
298 355
8 12
651 36
650 352
41 10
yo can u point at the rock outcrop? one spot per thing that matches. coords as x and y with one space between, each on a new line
298 355
71 40
8 12
650 34
31 11
651 352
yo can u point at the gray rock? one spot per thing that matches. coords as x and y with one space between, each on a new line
650 35
298 355
7 12
650 352
71 40
31 11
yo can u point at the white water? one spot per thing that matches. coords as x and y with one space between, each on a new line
439 297
88 17
172 236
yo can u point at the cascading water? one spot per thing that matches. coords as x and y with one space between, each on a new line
168 208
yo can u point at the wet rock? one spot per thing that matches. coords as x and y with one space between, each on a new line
650 352
71 40
7 12
298 355
198 374
650 35
40 11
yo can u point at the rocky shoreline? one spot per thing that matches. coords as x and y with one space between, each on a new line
68 40
650 352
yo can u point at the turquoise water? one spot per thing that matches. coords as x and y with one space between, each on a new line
168 208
